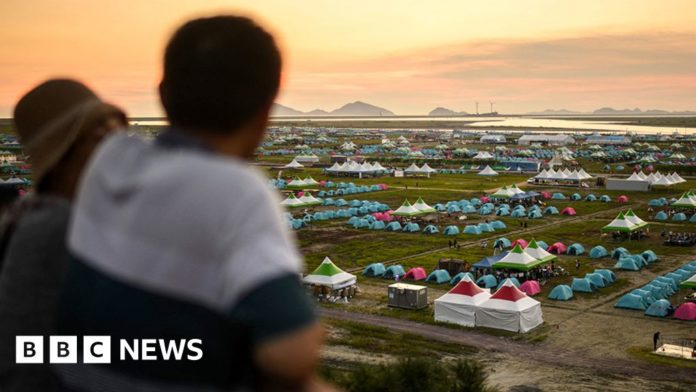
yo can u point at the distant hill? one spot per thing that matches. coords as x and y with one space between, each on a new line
359 108
317 112
440 111
280 110
555 112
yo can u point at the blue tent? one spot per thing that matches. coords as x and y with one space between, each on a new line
542 244
456 278
485 211
534 215
502 240
374 270
394 226
575 196
598 252
647 296
640 261
513 280
656 203
596 279
487 262
451 230
631 301
677 278
693 218
668 281
551 210
679 217
576 249
659 308
487 281
582 285
591 197
353 220
661 216
439 276
627 263
517 214
453 209
485 227
561 292
558 196
430 229
502 212
498 225
472 229
411 228
608 275
649 256
377 225
394 271
605 198
619 253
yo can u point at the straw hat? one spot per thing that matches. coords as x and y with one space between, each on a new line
50 117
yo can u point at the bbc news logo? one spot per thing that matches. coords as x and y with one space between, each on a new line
97 349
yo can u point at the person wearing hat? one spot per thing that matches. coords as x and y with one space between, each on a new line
59 123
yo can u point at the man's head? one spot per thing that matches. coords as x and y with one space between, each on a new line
221 76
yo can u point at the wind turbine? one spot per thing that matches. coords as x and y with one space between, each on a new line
477 108
492 103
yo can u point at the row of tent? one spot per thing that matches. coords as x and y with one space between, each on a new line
678 217
657 178
574 249
352 167
565 175
599 278
352 190
414 169
653 297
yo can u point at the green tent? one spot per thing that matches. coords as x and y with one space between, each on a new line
518 260
328 274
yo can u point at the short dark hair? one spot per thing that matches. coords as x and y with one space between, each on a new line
219 72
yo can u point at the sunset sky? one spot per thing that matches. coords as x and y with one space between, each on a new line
405 55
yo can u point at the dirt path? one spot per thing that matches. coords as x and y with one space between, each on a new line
537 353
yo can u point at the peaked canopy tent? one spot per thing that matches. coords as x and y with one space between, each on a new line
487 262
623 224
538 252
518 260
294 165
407 209
487 171
509 309
503 193
685 201
423 207
689 283
328 274
459 305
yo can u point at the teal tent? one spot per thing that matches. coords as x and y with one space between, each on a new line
605 199
411 228
661 216
693 218
378 225
498 225
472 229
551 210
596 279
561 292
679 217
608 275
439 276
631 301
598 252
659 308
487 281
575 197
504 241
649 256
394 271
485 227
558 196
647 296
582 285
456 278
517 214
590 197
374 270
627 264
656 203
394 226
534 215
668 281
619 253
430 229
451 230
575 249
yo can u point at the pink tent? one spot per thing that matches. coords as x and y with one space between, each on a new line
530 287
485 199
300 194
545 195
636 168
649 168
519 241
568 211
557 248
322 183
687 311
415 273
383 187
622 199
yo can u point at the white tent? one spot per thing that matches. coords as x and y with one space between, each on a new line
328 274
543 175
509 309
292 201
412 169
297 183
642 176
664 181
533 249
634 177
308 200
422 206
427 169
293 165
459 305
406 209
310 181
519 260
483 155
487 171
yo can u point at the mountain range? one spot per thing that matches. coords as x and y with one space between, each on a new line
607 111
440 111
356 108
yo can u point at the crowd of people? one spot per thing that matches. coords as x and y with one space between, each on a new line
678 239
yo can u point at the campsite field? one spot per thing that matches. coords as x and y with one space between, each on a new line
588 326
